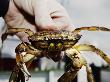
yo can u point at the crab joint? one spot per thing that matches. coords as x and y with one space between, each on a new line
24 57
76 58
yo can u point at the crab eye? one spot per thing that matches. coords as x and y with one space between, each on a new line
59 44
51 44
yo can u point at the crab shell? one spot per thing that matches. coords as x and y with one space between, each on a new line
54 41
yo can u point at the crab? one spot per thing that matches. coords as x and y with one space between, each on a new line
50 44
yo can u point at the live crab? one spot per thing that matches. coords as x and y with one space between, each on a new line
51 44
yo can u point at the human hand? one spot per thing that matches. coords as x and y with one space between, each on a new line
37 15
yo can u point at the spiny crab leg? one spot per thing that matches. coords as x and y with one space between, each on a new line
76 64
87 47
92 28
13 31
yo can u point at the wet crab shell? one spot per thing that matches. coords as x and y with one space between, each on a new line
60 40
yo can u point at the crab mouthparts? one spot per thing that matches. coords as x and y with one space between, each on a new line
55 56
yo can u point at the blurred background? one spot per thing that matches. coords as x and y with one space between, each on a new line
82 13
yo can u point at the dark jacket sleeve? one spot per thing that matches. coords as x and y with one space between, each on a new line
4 4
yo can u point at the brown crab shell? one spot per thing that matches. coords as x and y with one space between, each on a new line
42 40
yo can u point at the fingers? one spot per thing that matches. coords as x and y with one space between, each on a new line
63 23
51 16
59 15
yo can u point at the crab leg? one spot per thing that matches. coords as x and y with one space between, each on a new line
14 75
12 31
17 75
92 28
87 47
76 63
90 76
68 76
24 55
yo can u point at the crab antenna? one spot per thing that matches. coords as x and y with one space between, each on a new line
12 31
92 28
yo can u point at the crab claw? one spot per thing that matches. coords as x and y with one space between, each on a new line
24 69
27 78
